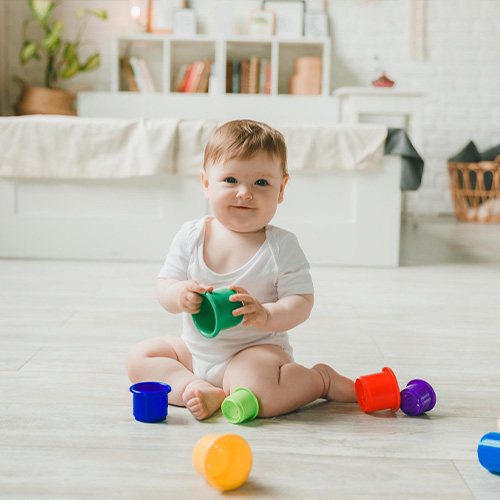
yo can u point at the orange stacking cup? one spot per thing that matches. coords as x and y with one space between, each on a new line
224 460
379 391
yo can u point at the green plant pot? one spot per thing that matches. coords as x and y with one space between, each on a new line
216 313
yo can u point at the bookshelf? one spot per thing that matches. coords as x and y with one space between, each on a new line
166 54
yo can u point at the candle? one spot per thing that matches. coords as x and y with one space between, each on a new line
136 24
135 12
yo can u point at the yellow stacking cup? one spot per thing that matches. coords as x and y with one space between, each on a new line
224 460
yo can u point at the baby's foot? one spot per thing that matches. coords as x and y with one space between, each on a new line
202 399
337 387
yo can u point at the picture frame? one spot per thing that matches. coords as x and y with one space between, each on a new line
261 23
289 18
161 15
316 25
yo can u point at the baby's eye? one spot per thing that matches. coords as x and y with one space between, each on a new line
230 180
261 182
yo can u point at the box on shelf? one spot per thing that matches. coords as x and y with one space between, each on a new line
306 79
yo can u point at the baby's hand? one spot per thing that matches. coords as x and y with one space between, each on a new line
254 313
187 296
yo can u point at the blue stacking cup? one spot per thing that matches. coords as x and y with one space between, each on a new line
488 452
150 401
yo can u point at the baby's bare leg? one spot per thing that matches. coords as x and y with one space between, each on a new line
281 385
163 359
167 359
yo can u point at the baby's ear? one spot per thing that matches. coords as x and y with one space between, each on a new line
282 187
204 181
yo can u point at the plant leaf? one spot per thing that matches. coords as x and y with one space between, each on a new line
71 69
93 62
52 39
29 50
100 13
79 13
42 9
70 51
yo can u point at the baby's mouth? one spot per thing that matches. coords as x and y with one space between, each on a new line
242 208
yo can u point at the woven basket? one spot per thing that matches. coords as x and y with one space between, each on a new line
475 190
43 101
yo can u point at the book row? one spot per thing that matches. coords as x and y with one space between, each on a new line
243 76
248 76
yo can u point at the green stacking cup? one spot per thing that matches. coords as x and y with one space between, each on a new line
240 406
216 313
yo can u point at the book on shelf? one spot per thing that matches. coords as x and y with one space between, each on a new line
180 78
212 80
268 78
188 82
127 74
148 77
229 76
264 63
195 77
142 75
198 76
204 77
244 76
235 87
253 75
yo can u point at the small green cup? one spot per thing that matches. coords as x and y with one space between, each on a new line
240 406
216 313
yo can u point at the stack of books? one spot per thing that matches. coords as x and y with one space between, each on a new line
193 77
248 76
136 76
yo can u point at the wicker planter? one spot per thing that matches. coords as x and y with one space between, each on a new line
44 101
475 190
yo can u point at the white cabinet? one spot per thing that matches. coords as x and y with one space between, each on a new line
390 106
165 54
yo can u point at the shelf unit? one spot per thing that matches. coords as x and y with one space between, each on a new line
166 53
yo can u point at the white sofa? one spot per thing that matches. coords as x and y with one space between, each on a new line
342 214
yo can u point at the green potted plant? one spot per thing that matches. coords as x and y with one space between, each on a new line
62 60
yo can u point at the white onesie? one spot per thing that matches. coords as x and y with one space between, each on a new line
278 269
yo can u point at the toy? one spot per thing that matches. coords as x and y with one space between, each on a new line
240 406
417 398
378 391
216 313
223 460
488 452
150 400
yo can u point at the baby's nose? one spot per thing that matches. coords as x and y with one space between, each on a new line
244 193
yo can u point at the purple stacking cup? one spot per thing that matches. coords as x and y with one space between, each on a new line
417 397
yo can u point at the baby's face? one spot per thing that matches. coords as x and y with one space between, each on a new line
244 194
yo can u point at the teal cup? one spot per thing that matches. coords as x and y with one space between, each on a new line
216 313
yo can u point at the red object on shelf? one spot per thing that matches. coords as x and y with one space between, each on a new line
383 81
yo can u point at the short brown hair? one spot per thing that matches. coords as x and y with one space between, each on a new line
243 139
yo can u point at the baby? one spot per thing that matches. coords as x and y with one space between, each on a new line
244 177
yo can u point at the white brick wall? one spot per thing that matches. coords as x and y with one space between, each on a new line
460 75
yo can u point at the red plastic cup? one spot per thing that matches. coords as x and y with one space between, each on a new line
378 391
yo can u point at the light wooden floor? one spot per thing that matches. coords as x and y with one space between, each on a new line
66 425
